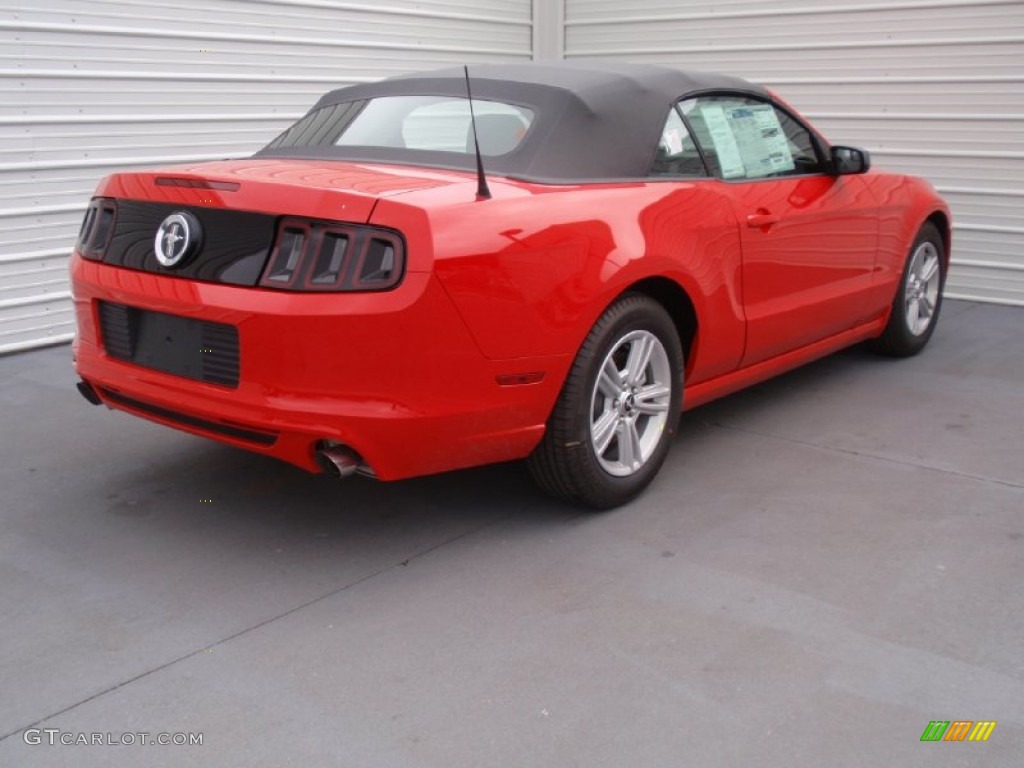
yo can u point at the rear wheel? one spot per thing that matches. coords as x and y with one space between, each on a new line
615 418
915 309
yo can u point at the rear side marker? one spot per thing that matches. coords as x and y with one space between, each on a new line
518 379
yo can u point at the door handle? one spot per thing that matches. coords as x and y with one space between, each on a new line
763 218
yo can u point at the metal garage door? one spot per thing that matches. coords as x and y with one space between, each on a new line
933 88
89 86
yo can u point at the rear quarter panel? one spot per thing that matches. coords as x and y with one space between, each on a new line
532 269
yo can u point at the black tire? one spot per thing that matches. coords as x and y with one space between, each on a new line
639 427
900 339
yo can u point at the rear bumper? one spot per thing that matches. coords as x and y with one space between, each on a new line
396 376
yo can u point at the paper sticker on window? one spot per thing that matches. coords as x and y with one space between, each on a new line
722 140
761 140
748 140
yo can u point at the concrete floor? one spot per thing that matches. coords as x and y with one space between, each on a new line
828 562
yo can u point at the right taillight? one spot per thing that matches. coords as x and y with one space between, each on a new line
97 228
330 256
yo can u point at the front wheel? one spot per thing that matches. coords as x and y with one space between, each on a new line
915 309
613 424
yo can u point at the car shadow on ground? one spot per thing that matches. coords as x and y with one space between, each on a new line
253 490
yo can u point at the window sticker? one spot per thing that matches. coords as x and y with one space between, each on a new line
748 140
761 140
722 140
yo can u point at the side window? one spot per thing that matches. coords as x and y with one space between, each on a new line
677 155
744 138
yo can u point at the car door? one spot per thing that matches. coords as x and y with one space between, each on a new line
809 238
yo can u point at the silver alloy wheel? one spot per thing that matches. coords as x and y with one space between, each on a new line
922 289
630 403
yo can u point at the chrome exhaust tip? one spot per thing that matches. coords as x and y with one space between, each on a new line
338 460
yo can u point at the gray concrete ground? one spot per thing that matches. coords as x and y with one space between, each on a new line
828 562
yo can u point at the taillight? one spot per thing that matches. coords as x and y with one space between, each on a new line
286 256
97 228
328 256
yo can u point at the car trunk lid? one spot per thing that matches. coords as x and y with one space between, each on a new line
238 207
335 191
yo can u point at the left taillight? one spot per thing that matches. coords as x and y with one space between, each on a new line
331 256
97 228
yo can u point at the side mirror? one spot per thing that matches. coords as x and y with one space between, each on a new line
850 160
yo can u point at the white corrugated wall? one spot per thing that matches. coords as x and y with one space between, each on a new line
90 86
931 88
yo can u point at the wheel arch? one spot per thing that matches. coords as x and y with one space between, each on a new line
676 301
941 220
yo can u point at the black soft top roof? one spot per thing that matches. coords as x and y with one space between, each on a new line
593 119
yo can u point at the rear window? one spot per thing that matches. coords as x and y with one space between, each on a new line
430 123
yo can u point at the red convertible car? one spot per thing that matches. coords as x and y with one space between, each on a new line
412 279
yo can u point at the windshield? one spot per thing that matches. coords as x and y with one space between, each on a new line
432 123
